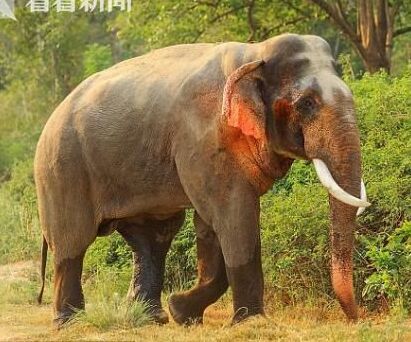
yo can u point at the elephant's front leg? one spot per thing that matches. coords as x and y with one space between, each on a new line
246 281
230 204
228 251
188 307
240 243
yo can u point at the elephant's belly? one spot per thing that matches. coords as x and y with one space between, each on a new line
109 225
145 201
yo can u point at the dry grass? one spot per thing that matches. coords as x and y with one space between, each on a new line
22 320
31 322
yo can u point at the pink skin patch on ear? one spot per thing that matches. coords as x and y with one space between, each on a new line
243 117
282 107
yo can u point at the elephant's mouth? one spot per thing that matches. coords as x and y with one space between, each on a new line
336 191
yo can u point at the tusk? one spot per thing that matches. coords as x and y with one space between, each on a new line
363 198
334 189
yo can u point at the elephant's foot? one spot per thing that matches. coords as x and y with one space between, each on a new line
184 312
158 315
63 319
243 313
153 309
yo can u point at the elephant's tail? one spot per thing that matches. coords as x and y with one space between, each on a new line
44 249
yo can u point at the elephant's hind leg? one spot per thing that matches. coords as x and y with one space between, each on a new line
68 293
68 223
188 307
150 243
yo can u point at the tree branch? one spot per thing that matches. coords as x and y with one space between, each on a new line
402 30
216 18
251 21
340 21
268 31
208 3
226 13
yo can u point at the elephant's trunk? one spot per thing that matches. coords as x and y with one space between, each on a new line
344 165
342 242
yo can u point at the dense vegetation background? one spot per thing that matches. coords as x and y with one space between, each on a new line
43 56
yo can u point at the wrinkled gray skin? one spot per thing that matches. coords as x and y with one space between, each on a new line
209 126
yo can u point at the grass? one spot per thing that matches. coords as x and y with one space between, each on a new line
31 322
109 318
113 312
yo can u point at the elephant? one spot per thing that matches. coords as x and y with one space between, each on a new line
203 126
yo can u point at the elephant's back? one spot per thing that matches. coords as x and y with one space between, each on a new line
133 108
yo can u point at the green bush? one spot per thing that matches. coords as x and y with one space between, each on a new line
294 239
181 264
108 252
96 58
384 116
390 257
19 226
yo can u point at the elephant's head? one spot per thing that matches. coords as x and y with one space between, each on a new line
290 103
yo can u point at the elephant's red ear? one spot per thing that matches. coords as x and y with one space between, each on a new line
243 107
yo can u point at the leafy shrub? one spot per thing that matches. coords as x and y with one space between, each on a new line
181 263
108 252
383 107
96 58
294 239
19 227
390 257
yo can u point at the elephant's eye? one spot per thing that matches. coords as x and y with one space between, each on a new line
307 105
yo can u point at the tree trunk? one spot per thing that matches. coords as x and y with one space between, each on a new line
374 62
374 32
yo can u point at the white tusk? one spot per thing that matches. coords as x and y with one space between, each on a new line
363 198
334 189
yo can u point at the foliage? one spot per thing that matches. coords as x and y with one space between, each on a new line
370 27
294 240
96 58
165 23
108 252
19 226
181 259
390 255
385 122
